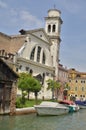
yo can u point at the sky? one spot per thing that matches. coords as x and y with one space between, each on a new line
29 14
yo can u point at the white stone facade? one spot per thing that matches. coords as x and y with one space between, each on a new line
40 51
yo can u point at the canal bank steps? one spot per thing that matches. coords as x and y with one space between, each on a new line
21 111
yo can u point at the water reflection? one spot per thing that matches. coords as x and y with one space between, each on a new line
73 121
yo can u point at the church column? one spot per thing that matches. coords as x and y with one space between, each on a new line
35 56
41 55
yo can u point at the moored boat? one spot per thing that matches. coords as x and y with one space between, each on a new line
72 106
82 104
51 108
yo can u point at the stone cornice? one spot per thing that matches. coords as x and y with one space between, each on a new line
26 32
36 64
41 39
55 18
55 37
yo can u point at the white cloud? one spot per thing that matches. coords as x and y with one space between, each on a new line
30 19
21 19
3 5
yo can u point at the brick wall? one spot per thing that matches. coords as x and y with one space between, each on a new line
13 99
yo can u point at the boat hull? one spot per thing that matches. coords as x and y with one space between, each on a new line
73 108
51 111
82 106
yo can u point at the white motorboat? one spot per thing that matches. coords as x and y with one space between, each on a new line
51 108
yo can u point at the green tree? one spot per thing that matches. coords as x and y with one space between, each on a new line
35 87
53 85
28 83
23 84
23 81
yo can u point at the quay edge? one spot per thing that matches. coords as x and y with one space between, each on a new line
22 111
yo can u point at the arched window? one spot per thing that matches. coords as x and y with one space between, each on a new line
49 28
32 54
39 56
38 53
54 28
43 59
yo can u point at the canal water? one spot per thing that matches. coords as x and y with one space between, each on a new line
72 121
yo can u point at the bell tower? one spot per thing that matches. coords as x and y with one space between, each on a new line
53 28
53 22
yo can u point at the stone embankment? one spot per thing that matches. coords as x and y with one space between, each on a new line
22 111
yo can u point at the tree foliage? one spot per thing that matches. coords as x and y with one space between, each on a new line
23 81
53 85
28 83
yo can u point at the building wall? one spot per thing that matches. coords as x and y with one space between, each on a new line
38 68
22 46
63 79
53 29
35 42
77 84
63 74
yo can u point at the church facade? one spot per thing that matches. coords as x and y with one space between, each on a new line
36 51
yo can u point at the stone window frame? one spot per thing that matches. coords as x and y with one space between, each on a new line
36 56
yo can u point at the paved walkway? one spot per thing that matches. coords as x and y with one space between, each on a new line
27 110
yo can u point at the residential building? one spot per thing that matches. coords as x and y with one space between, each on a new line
77 84
63 79
63 74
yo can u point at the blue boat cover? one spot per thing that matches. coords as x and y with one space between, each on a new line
80 102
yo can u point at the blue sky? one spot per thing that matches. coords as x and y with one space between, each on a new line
29 14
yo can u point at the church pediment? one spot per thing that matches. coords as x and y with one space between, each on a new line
40 33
